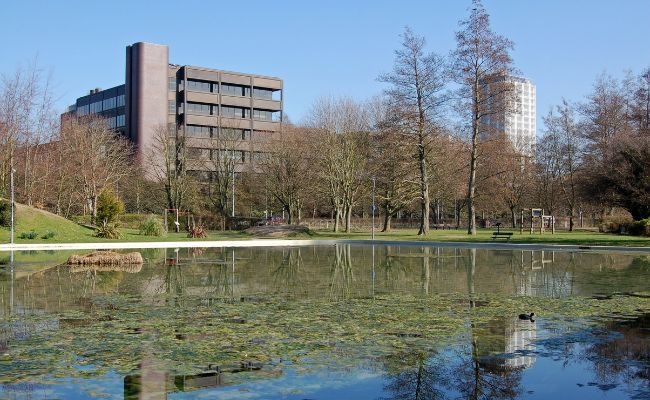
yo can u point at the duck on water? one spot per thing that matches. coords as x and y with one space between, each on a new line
527 317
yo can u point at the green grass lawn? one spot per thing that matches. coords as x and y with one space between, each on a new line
62 230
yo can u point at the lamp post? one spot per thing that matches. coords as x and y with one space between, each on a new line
232 159
11 188
373 208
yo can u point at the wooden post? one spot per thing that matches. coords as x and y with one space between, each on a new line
553 224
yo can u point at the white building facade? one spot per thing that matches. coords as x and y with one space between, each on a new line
518 120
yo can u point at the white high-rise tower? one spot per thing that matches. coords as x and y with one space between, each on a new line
518 119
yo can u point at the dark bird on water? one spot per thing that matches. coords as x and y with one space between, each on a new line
527 317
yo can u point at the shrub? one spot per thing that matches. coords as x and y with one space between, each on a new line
48 235
640 228
107 231
5 212
133 221
109 207
29 235
152 227
197 231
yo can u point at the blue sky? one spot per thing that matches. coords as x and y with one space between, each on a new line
321 48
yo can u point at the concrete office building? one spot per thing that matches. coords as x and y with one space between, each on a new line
203 105
517 119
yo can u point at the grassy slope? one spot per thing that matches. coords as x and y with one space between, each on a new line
28 219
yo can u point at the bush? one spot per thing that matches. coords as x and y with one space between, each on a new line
109 207
107 231
133 221
28 235
197 231
48 235
152 227
640 228
615 224
5 212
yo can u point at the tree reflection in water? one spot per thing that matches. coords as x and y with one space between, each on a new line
415 376
622 355
464 373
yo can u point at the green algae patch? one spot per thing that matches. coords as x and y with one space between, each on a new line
191 335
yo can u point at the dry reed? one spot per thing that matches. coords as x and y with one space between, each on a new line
106 258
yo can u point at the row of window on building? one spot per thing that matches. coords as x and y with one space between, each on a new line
204 131
226 111
101 105
226 88
115 122
216 155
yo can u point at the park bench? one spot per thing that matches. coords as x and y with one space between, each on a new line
502 235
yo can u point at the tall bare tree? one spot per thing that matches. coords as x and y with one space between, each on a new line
563 129
99 156
342 148
287 169
27 121
481 55
417 83
618 157
391 163
168 158
224 160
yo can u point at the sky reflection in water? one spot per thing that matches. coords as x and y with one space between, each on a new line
490 354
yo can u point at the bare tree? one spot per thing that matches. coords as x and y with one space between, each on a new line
416 93
286 168
641 113
99 156
391 163
342 149
223 161
564 131
480 56
168 160
27 120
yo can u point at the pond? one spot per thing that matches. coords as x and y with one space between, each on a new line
328 322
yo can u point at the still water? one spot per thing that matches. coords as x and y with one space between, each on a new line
328 322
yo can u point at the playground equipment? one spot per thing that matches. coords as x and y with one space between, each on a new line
537 220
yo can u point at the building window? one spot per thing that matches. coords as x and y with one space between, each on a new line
266 115
83 110
198 131
172 106
197 153
121 120
96 107
198 86
235 112
261 93
235 90
235 134
109 104
172 83
201 108
120 100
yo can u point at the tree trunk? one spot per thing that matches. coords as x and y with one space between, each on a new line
387 220
337 218
471 187
348 219
93 209
424 187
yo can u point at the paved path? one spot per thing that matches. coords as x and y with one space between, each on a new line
298 242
